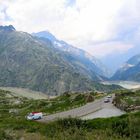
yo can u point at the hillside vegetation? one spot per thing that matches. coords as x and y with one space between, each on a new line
128 100
12 102
14 126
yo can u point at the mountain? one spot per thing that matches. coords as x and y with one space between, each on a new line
45 34
115 60
91 63
7 28
29 62
134 60
130 70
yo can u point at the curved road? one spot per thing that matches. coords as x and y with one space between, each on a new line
107 110
91 110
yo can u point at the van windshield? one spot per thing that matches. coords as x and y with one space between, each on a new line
30 115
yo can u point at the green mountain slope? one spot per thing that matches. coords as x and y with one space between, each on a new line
26 61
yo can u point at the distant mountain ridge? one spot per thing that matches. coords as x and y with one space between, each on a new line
130 70
45 34
30 62
134 60
7 28
91 62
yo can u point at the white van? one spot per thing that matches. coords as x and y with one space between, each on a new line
34 116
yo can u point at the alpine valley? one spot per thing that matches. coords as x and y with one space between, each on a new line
43 63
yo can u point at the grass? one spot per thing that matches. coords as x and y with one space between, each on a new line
14 126
125 127
21 106
61 103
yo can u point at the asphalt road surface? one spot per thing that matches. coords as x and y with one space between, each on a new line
107 110
91 110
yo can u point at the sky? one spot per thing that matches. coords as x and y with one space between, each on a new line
101 27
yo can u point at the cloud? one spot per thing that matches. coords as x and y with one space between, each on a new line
34 15
101 49
2 14
82 23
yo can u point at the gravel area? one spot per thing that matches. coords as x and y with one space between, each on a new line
23 92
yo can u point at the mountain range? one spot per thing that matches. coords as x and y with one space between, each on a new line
38 63
90 62
130 70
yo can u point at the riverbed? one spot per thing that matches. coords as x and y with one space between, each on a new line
125 84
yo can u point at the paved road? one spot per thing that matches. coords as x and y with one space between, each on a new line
80 112
107 110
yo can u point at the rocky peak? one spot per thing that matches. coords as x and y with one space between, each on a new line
7 28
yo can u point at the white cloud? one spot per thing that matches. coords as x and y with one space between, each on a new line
101 49
82 24
35 15
2 14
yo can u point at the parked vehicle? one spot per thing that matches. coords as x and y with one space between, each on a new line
109 96
106 100
34 116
